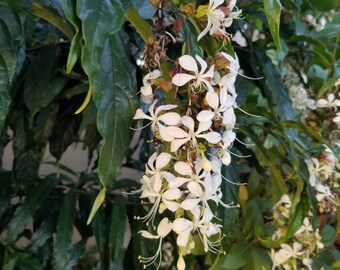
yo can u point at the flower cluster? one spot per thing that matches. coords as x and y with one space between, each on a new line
217 17
190 110
180 177
299 251
324 175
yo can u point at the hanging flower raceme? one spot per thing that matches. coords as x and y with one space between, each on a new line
192 138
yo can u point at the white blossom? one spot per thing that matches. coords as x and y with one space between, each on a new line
200 78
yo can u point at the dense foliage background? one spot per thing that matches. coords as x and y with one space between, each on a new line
70 73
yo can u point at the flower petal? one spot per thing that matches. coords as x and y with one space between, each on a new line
164 134
176 132
188 122
212 100
162 160
164 227
141 115
172 194
203 64
170 118
181 79
188 63
212 137
177 143
183 168
205 115
190 203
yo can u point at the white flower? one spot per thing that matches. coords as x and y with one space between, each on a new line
316 171
146 89
185 169
228 80
158 120
163 229
285 253
323 192
229 118
215 17
188 63
219 104
181 136
233 14
210 191
200 223
160 161
167 197
331 102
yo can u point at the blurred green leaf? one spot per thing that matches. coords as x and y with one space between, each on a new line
328 235
51 15
42 234
324 5
23 261
116 239
39 91
259 259
64 230
12 53
272 9
236 258
142 27
26 209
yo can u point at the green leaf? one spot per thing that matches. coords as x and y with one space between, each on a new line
237 257
259 259
142 27
274 87
117 233
65 129
42 234
39 91
306 129
328 235
12 53
26 210
26 167
70 10
272 9
106 61
324 5
65 229
115 97
52 16
23 261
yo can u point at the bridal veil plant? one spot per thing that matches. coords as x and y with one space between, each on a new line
211 130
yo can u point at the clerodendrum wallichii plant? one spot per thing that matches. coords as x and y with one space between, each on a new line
237 134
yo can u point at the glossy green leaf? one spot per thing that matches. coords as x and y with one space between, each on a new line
52 16
70 10
302 127
117 233
112 79
273 9
142 27
26 210
12 54
64 231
